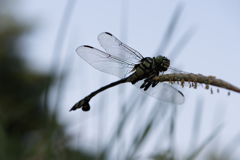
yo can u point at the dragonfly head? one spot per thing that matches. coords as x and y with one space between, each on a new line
163 63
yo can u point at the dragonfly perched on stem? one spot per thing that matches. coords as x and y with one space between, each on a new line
128 64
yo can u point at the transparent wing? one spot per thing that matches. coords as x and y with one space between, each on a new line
164 92
115 47
104 61
174 70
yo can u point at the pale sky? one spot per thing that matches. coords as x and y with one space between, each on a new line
213 50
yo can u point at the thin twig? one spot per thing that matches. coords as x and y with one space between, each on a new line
195 78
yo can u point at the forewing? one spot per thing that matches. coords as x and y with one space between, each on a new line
115 47
104 61
164 92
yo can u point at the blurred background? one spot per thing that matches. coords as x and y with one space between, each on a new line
42 77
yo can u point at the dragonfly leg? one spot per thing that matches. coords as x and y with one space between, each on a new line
148 82
147 86
154 84
143 85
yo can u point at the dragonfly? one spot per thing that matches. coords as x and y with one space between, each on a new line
129 65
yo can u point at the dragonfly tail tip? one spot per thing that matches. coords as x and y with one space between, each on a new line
72 109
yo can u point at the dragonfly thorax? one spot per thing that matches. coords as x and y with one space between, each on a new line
163 63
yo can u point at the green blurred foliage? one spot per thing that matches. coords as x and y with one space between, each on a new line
27 129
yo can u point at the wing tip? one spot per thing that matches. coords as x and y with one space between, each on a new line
104 33
86 46
182 96
108 33
181 93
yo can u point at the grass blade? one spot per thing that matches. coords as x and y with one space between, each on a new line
205 143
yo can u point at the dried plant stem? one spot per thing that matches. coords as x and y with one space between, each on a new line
195 78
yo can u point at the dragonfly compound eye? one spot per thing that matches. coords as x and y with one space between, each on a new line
166 63
163 62
159 59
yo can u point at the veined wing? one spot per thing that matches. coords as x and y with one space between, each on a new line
164 92
105 62
115 47
174 70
